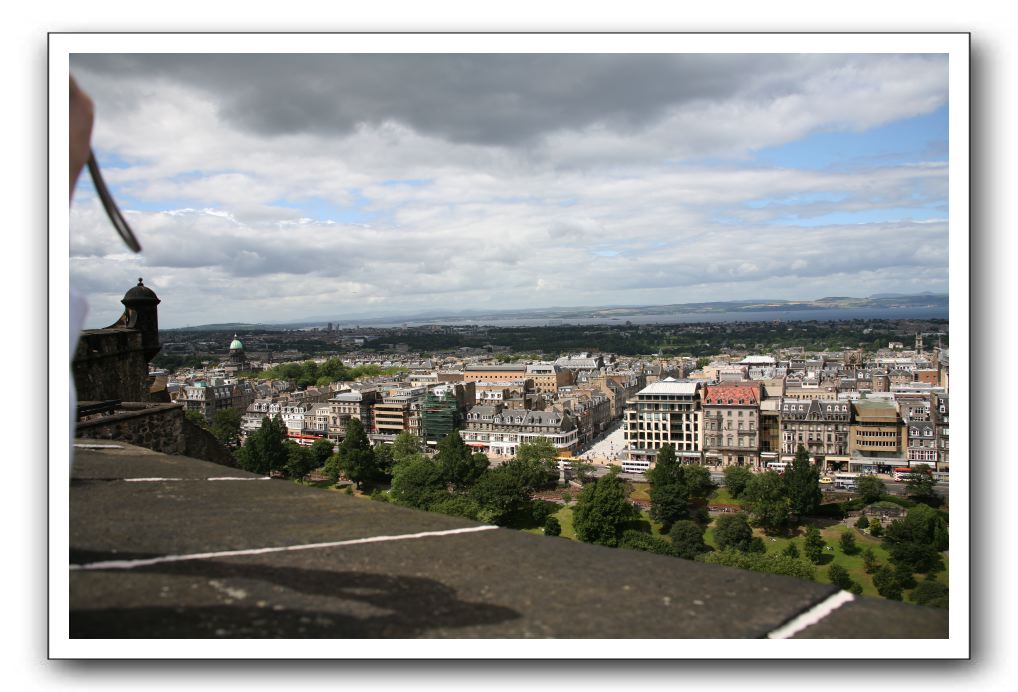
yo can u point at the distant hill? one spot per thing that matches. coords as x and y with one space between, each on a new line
884 301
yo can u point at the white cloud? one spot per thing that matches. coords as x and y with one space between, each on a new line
594 193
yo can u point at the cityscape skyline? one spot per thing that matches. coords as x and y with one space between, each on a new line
385 184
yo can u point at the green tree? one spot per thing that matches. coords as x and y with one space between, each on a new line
384 461
791 551
862 523
767 499
552 527
638 540
417 483
733 531
226 426
802 483
773 563
698 481
870 489
321 450
840 577
876 528
886 582
673 485
501 494
919 485
406 446
669 495
736 479
356 457
930 593
687 539
460 467
455 506
814 545
916 541
300 461
869 561
848 544
539 450
196 417
602 510
266 449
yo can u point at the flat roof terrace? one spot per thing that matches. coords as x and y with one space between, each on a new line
173 547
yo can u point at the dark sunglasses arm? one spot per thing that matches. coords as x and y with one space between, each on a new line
116 218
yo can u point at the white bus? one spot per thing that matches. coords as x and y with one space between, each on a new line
778 466
845 481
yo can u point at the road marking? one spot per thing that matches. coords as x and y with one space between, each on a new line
130 564
812 616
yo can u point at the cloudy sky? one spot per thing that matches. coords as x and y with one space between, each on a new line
276 187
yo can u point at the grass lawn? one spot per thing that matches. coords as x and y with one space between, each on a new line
565 519
853 564
640 491
721 497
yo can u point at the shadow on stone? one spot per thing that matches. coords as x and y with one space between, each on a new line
387 606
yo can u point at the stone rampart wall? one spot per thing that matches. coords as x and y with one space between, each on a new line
110 364
159 427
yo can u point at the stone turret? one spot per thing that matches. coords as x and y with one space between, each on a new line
140 313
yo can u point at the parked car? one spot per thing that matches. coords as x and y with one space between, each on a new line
826 480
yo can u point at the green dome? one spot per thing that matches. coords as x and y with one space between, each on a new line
236 345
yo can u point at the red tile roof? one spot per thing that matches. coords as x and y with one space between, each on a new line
722 393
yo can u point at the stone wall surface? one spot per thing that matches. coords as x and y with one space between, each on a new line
201 444
159 427
110 364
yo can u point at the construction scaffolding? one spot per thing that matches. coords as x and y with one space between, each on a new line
440 415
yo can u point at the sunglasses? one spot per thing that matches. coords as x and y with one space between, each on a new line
116 218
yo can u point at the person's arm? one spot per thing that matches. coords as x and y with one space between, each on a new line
81 118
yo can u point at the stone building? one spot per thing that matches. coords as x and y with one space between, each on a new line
665 412
821 426
498 431
731 424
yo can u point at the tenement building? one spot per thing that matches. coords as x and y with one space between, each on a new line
665 412
731 424
821 426
499 431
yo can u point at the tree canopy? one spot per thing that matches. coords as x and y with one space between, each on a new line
733 531
266 449
406 446
870 489
802 481
673 485
602 510
736 479
767 497
920 485
687 539
226 426
915 541
461 468
356 459
417 482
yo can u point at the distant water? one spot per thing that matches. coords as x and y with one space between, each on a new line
763 316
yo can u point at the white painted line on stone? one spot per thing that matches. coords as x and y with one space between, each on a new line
130 564
216 478
812 616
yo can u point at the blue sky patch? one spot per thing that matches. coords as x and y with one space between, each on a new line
922 138
321 209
